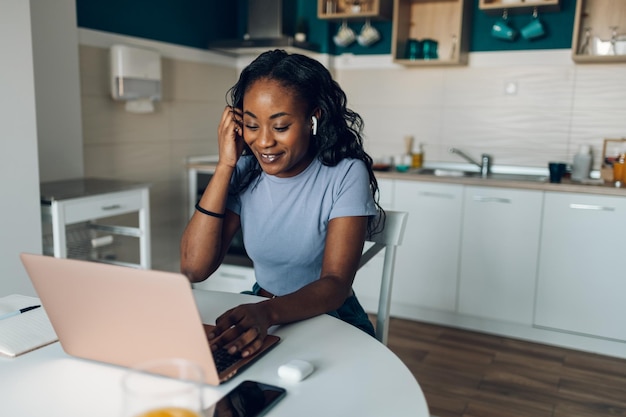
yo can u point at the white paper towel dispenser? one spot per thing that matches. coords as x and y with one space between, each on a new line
136 77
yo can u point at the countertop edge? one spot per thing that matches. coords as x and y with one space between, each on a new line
565 186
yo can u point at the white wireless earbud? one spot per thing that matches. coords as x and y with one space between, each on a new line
314 122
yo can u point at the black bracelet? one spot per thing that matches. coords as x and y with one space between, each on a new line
209 213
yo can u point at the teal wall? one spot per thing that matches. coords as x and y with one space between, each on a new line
182 22
195 23
558 24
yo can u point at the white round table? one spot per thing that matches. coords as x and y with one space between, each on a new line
355 375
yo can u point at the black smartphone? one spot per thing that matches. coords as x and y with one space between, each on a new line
248 399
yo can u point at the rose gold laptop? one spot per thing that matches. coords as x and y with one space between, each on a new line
124 316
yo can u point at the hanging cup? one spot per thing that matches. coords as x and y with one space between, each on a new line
369 35
345 36
534 29
502 30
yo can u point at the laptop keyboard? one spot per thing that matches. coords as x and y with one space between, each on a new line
223 359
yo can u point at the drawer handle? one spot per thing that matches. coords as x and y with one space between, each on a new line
591 207
482 199
112 207
437 195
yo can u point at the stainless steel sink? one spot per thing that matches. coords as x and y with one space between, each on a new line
438 172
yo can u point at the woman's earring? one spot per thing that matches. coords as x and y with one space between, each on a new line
314 122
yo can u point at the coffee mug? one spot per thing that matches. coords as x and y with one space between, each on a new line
534 29
369 35
556 169
429 49
502 30
413 49
402 162
345 36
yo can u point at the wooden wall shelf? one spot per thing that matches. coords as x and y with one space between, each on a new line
518 7
600 16
446 21
345 9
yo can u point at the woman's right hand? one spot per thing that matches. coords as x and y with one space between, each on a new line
242 329
230 136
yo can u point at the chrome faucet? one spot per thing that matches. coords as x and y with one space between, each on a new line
484 165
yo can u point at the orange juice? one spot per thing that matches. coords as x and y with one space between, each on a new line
619 173
170 412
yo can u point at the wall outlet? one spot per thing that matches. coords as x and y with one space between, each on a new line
510 88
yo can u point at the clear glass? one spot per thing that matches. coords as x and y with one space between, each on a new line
331 7
585 46
612 50
163 388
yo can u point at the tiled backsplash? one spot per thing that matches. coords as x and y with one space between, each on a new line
557 107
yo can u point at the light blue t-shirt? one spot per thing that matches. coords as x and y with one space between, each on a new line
284 220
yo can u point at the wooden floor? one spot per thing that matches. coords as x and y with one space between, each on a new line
467 374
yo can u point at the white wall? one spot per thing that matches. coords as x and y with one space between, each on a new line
20 225
152 148
57 89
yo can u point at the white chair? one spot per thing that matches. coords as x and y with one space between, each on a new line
388 239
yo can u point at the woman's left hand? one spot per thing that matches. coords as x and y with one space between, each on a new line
241 329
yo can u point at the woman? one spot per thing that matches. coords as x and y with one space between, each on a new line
292 173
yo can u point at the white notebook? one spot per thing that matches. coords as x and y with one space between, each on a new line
24 332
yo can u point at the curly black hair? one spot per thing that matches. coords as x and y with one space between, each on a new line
339 129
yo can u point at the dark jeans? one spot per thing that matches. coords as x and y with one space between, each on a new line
351 312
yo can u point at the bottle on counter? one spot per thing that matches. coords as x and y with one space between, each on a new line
619 170
418 157
403 162
582 164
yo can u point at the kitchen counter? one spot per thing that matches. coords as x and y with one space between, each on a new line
84 187
91 201
567 186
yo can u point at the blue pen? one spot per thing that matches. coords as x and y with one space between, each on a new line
16 312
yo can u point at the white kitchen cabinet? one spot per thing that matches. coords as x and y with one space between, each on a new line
500 243
581 280
427 261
